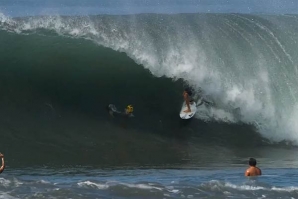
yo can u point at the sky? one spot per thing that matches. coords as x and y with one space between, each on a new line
87 7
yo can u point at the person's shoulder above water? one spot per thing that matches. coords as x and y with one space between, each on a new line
253 170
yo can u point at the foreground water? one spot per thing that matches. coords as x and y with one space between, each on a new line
148 183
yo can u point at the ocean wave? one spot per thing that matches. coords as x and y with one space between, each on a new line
242 63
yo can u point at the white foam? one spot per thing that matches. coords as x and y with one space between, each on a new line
107 185
286 189
43 182
217 185
244 187
4 182
6 196
141 186
93 184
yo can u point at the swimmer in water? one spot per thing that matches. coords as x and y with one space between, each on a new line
252 170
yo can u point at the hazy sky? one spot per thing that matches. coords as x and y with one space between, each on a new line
83 7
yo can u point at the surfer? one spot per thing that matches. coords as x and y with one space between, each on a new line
187 97
252 170
3 165
127 111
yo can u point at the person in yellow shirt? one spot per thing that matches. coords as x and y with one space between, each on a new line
127 111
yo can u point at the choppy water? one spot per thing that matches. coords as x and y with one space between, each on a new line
148 183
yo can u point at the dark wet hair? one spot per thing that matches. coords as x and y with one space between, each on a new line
252 162
188 90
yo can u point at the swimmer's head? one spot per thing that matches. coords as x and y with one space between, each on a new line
252 162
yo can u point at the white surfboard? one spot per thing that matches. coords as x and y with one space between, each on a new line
193 108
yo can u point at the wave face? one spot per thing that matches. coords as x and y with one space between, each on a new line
58 73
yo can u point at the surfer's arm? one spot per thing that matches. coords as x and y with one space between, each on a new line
3 164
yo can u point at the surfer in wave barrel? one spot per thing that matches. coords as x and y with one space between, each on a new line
187 95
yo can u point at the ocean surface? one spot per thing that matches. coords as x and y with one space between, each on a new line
58 73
